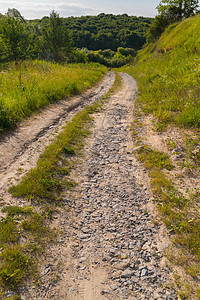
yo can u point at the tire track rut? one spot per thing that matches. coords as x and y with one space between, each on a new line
20 149
110 247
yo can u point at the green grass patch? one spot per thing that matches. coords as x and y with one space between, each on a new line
31 85
153 158
24 234
45 181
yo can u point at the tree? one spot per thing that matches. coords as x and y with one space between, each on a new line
170 11
14 36
56 37
176 10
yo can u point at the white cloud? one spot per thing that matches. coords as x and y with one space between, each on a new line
32 10
37 9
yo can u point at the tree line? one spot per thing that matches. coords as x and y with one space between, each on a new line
107 31
101 38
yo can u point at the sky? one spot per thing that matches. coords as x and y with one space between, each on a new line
39 8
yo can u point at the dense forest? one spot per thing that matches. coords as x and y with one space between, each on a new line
106 31
107 39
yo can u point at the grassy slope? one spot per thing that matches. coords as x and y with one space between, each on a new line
31 85
168 74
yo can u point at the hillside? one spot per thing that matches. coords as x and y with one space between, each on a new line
168 75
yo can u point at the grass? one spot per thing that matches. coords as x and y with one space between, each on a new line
168 76
31 85
24 233
45 182
153 158
180 214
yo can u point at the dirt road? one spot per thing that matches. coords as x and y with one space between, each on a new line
110 247
20 149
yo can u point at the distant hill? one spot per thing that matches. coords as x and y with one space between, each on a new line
107 31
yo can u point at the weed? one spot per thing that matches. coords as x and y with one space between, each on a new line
15 265
68 150
153 158
171 144
16 210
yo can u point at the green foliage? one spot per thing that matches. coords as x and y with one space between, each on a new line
106 57
33 84
170 11
14 36
168 75
53 38
157 28
107 31
57 38
176 10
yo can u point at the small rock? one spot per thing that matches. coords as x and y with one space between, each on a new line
83 236
127 274
114 288
134 280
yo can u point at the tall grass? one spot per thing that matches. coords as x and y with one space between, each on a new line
29 86
168 75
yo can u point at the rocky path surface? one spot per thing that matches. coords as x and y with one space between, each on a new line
109 248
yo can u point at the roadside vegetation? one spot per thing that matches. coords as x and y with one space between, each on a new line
168 76
26 231
31 85
178 208
168 107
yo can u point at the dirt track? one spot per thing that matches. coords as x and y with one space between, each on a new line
20 149
110 248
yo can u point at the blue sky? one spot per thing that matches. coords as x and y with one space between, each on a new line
38 8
